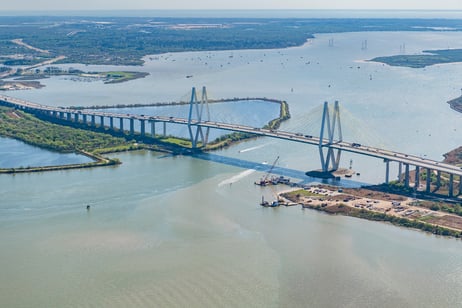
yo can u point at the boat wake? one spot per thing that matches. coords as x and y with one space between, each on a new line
237 177
254 148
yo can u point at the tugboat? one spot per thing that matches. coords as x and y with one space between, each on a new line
267 204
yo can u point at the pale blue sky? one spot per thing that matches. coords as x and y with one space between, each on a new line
30 5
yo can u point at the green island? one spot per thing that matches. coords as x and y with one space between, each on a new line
431 57
29 40
63 136
27 78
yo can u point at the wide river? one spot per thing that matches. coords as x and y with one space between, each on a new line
177 231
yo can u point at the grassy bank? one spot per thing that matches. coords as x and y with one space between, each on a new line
431 57
31 130
337 205
68 137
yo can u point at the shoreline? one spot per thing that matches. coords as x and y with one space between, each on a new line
175 145
456 104
377 206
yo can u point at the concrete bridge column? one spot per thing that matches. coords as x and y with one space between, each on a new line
451 185
153 129
406 175
438 179
111 123
165 129
142 125
84 118
132 126
68 115
121 124
102 122
400 172
417 177
460 185
76 117
387 171
93 120
429 180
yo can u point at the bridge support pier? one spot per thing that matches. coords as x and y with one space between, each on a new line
429 180
438 179
93 120
460 185
153 129
68 116
132 126
400 172
165 129
406 175
76 117
451 185
331 161
142 125
417 177
102 122
111 123
195 130
84 119
121 124
387 171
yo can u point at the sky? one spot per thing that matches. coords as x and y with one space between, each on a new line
59 5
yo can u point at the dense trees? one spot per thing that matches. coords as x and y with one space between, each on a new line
125 40
25 127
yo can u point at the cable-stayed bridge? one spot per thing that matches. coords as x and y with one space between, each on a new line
330 142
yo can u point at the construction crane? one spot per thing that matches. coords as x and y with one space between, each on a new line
264 180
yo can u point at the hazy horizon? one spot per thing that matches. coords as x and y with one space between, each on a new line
247 13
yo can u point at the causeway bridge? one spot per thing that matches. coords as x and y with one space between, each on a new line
198 123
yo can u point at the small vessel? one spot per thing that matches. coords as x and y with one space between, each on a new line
267 204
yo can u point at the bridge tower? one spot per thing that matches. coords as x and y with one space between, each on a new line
196 110
330 160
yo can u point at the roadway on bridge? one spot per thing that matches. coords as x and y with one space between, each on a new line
386 155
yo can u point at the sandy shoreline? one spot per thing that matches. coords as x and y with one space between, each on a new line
373 205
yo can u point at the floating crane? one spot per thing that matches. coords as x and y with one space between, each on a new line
267 181
264 180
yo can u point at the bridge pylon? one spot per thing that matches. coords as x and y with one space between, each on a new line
196 112
331 159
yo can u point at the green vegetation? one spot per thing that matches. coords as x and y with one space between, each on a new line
118 77
25 127
19 125
108 77
64 136
398 188
419 61
395 220
126 40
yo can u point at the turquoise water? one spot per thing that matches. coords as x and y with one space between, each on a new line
178 231
15 154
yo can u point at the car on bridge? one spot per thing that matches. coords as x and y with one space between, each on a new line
356 145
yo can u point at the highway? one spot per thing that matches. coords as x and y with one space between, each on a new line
352 147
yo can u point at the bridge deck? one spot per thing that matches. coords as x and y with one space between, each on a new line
384 154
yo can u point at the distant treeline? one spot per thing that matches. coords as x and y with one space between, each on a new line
125 40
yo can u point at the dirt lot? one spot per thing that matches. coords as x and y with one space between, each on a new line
343 201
